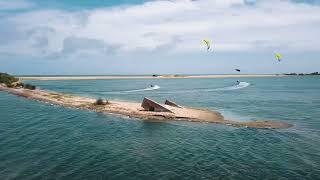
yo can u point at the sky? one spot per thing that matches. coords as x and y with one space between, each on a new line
82 37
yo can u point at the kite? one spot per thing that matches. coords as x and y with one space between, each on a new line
207 43
237 70
278 56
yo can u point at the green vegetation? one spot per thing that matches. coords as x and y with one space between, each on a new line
13 82
302 74
7 79
29 86
101 102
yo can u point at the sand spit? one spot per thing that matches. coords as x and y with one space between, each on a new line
134 110
144 77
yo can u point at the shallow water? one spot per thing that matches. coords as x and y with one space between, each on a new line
39 141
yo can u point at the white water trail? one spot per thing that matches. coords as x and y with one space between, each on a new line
155 87
145 89
228 88
234 87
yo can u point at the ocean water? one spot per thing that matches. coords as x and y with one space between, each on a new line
39 141
85 4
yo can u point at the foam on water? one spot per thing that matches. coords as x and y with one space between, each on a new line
155 87
234 87
241 85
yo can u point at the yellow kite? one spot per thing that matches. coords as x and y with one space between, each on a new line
279 57
207 43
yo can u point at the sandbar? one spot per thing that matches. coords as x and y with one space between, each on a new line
145 77
134 110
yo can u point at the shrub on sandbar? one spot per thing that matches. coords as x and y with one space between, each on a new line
100 101
29 86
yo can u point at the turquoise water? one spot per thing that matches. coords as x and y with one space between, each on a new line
39 141
85 4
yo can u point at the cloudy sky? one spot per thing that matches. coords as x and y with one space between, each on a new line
162 36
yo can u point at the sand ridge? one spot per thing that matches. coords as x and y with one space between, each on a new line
145 77
134 110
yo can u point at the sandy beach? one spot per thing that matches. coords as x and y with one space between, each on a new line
134 110
144 77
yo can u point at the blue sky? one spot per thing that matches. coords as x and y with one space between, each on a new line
148 37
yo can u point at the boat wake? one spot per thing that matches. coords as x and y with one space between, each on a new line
145 89
241 85
234 87
155 87
228 88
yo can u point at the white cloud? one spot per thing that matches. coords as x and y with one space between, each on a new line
174 26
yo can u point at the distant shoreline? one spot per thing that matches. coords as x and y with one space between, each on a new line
144 76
